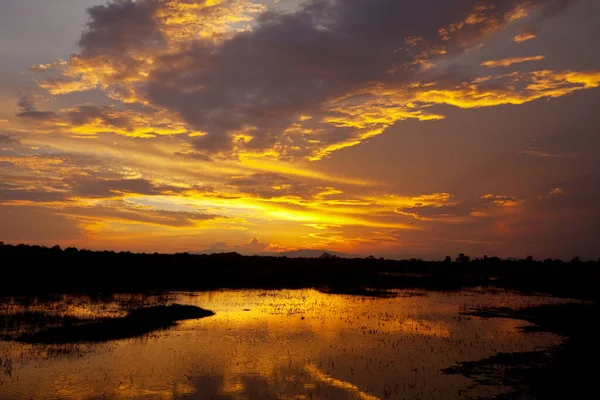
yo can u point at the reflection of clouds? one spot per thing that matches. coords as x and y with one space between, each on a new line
319 375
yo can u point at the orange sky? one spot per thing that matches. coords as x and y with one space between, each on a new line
400 129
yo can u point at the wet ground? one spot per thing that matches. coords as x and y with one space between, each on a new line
260 344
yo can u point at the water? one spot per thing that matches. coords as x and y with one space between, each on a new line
285 344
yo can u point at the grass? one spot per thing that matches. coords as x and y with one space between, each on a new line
137 322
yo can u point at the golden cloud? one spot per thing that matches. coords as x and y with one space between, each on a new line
506 62
523 36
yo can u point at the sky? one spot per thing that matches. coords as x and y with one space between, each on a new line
394 128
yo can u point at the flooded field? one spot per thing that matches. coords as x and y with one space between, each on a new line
283 344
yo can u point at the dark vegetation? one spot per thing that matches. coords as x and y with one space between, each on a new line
42 328
567 371
36 270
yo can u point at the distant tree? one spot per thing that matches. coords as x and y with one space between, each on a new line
486 258
576 259
448 259
529 259
71 250
463 258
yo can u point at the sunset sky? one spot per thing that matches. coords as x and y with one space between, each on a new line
394 128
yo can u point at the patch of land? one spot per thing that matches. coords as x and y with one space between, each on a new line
568 371
40 328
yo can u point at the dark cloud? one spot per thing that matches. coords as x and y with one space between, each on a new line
463 208
194 155
37 196
98 187
26 103
292 63
126 213
120 27
87 114
37 115
28 109
248 90
5 139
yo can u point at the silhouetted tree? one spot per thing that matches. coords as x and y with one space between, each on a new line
576 259
71 250
448 259
529 259
463 258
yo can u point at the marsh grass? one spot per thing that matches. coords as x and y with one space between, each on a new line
136 322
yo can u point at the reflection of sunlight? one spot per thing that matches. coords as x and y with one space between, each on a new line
427 328
126 390
319 375
284 344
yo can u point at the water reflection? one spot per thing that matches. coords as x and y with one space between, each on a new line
300 344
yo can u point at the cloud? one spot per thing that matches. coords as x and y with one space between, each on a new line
253 246
5 139
37 196
124 213
90 120
37 115
506 62
28 109
27 103
272 185
484 206
532 26
123 38
47 67
86 186
244 82
194 155
541 152
524 36
258 84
